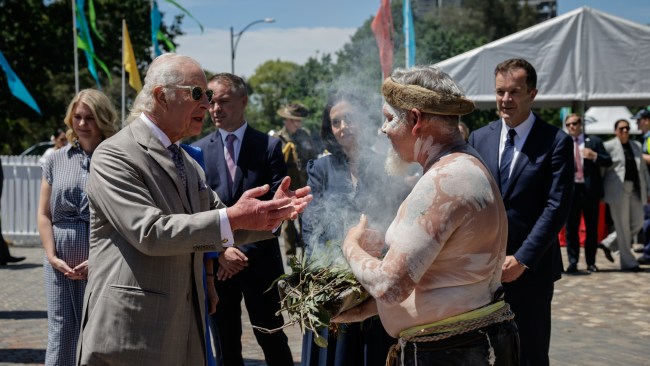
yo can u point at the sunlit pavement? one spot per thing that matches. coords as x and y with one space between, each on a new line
598 319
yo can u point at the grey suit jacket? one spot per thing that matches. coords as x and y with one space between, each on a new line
144 302
615 175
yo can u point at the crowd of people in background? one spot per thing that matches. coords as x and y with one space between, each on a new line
143 235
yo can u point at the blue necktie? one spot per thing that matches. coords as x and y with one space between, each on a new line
177 158
506 159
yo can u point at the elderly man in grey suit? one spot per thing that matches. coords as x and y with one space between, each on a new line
152 216
627 188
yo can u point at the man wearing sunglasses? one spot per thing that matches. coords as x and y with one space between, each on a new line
627 188
152 217
589 156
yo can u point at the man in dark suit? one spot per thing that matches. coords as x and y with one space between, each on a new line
589 156
533 163
238 157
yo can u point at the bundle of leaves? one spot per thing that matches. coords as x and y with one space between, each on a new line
319 289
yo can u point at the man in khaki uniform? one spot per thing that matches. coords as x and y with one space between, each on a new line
298 149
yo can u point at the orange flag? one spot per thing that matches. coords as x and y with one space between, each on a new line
382 27
129 61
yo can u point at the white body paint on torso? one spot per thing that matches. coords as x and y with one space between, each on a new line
446 247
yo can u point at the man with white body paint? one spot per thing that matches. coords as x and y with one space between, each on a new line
437 287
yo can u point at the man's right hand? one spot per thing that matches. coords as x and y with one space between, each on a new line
249 213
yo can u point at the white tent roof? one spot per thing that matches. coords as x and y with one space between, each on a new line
582 56
600 120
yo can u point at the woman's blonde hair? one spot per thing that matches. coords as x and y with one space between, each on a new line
102 108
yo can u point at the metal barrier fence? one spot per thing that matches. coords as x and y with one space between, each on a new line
20 194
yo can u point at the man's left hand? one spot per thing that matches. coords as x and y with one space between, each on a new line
358 313
511 269
300 198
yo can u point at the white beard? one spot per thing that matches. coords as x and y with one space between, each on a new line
394 165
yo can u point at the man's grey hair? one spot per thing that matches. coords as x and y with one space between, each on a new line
432 78
164 70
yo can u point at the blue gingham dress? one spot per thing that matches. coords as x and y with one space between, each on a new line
66 170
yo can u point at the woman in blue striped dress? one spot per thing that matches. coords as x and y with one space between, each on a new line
63 220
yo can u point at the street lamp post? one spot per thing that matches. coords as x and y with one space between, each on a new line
234 43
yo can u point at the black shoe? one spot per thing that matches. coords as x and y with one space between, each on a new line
11 259
643 260
635 269
592 268
638 250
608 253
572 269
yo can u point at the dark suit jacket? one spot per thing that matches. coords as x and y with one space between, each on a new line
537 196
260 162
591 168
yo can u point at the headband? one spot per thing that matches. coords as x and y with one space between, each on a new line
425 100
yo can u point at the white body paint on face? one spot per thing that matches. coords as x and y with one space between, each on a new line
395 119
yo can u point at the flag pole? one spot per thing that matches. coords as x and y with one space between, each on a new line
153 46
123 83
74 42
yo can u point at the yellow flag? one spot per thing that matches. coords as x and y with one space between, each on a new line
129 62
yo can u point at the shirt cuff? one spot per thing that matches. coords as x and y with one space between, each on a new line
521 263
227 239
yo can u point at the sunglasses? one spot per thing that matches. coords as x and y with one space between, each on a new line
623 128
569 124
195 91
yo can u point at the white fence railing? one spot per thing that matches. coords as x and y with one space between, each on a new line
22 188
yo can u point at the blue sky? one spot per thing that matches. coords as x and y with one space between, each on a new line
304 28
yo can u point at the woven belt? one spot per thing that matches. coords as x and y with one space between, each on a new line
444 331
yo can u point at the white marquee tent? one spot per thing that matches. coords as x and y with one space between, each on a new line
583 58
600 120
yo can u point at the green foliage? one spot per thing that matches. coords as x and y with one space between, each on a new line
270 86
441 33
319 289
36 38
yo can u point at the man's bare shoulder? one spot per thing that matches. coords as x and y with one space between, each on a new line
460 178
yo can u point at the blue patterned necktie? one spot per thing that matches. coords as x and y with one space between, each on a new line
506 158
177 157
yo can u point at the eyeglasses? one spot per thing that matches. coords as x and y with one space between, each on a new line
624 129
195 91
569 124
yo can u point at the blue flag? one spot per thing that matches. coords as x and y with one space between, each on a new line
16 86
156 19
409 34
84 41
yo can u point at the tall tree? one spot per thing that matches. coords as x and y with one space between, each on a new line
270 88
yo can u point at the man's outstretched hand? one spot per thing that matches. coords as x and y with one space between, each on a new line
250 213
300 198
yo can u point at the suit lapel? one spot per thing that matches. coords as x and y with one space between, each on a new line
192 181
492 155
146 138
242 161
220 168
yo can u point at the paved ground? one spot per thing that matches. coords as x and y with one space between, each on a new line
598 319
